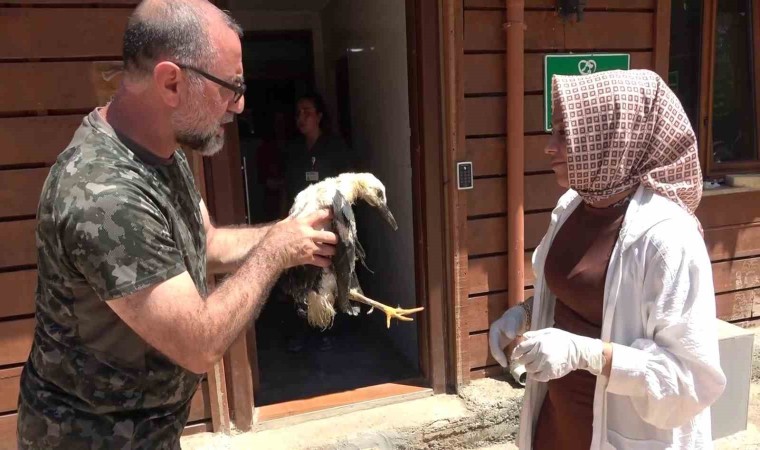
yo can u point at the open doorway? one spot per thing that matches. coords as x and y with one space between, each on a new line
355 56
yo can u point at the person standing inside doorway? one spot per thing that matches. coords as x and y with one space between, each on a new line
316 154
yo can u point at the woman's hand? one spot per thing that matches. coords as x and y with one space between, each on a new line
504 330
552 353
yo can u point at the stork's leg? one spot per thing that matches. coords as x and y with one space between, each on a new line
390 312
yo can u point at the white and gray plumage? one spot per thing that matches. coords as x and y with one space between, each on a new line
322 290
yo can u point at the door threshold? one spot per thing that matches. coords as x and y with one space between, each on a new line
323 406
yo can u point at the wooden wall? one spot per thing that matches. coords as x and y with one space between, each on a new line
732 221
58 60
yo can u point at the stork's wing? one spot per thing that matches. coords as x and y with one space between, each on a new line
344 260
298 281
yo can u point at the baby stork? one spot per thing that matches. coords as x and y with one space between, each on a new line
321 289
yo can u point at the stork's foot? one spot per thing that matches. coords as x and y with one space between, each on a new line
390 312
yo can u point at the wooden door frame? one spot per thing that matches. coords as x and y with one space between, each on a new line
226 204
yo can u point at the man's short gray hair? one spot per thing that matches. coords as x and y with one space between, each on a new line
172 30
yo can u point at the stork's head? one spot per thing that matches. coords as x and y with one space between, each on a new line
367 187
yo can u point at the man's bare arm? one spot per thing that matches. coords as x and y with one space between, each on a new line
194 333
227 247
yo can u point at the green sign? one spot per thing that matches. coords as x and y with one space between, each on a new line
576 64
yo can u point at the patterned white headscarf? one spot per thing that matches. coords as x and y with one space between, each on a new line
625 128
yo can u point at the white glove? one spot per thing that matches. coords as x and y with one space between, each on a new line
552 353
510 325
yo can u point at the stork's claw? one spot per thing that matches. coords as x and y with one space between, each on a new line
390 312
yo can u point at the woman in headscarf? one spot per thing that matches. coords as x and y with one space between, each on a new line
622 350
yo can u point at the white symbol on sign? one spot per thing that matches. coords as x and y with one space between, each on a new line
586 66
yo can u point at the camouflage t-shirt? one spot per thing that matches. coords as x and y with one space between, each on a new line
113 219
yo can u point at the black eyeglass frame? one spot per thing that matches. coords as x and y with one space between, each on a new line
239 90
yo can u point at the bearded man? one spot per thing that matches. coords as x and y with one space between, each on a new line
125 325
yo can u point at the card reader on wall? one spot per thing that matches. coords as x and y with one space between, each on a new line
464 175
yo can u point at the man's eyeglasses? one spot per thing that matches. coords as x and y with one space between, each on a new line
238 89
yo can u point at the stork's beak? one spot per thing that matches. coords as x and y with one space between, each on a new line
388 216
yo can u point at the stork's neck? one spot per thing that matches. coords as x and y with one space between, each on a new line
350 191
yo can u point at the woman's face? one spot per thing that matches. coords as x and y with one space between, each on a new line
307 117
556 149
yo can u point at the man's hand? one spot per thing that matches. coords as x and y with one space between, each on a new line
298 240
552 353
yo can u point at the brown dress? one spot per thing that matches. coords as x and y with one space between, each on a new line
575 271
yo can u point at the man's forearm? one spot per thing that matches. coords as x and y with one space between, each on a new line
238 301
227 248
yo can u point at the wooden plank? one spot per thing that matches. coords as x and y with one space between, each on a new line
241 389
200 405
483 31
426 99
20 191
478 353
484 73
535 158
9 389
364 394
737 305
220 408
18 293
38 32
489 372
9 386
19 247
489 274
487 115
57 85
737 241
478 313
488 155
611 31
590 4
202 427
487 236
28 140
16 341
8 432
721 209
662 38
736 274
489 195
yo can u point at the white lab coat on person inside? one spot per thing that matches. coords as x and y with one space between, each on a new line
659 313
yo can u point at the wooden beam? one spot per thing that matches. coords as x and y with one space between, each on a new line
18 292
220 408
662 39
365 394
16 340
61 32
241 384
515 82
456 202
424 61
20 191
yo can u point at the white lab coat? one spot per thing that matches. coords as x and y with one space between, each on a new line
659 313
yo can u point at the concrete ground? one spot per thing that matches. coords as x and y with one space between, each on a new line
485 412
484 416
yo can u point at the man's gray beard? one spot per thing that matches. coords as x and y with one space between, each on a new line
205 145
